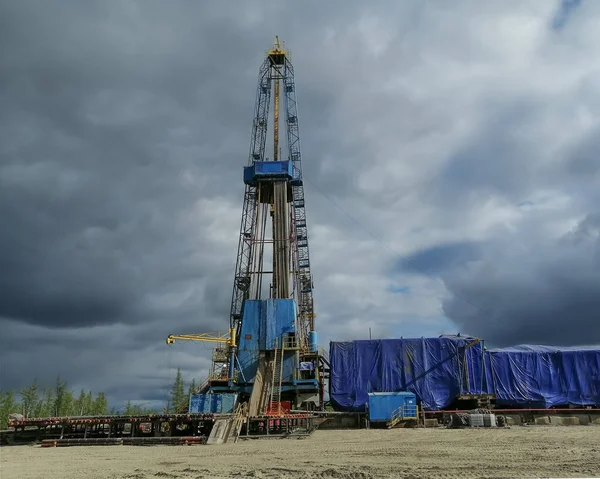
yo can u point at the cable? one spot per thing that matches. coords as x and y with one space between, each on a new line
168 392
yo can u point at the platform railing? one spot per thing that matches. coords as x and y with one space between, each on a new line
403 413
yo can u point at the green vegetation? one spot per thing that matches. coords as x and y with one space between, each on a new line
179 399
37 401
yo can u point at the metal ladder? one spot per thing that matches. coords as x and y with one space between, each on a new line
275 405
236 422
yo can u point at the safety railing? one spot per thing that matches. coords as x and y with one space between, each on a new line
220 355
289 342
403 413
222 375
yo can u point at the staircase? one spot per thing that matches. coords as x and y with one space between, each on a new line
275 405
237 421
227 429
403 413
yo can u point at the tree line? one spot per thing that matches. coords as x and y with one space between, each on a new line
179 400
36 400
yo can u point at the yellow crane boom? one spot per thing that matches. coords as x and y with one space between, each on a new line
227 338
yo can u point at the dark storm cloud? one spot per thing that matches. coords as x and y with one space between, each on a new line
124 128
497 158
564 11
123 131
439 258
101 124
548 294
125 362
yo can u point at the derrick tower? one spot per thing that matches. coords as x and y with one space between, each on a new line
274 188
270 356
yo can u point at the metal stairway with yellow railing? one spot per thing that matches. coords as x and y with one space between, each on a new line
406 412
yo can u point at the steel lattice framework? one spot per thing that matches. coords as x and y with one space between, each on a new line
303 283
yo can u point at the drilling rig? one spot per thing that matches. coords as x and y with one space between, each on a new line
270 356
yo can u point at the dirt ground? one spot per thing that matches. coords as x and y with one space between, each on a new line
410 453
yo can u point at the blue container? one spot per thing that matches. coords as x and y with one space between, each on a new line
313 342
264 170
212 403
273 168
382 405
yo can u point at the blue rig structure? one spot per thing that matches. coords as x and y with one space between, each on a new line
270 357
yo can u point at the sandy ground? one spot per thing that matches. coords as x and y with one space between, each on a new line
411 453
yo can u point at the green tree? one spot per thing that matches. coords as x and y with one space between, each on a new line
136 410
192 388
29 399
178 396
79 405
68 405
60 394
60 401
8 405
88 404
100 405
46 403
83 405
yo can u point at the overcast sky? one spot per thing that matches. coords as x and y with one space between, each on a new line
450 155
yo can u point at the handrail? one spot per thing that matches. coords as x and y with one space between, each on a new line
406 411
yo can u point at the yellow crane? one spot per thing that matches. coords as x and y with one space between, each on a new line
222 370
226 338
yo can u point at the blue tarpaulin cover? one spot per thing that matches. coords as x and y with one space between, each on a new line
431 368
544 376
437 370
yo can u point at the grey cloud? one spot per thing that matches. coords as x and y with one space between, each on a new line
564 11
117 122
123 132
548 294
439 258
584 162
498 157
113 359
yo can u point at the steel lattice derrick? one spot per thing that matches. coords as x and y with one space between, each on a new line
304 283
271 72
242 280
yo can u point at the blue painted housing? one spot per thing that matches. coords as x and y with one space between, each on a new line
212 403
265 170
278 316
263 322
382 405
248 346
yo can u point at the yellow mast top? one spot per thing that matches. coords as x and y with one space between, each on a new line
277 57
278 47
